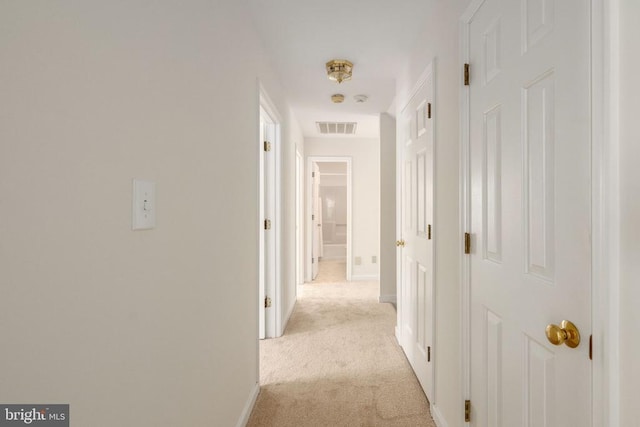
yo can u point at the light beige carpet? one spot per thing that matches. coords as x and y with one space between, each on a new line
338 364
331 271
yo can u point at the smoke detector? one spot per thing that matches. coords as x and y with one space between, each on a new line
338 98
360 98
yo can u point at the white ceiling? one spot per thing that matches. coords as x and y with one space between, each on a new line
302 35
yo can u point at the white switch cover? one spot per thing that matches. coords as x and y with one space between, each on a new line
144 205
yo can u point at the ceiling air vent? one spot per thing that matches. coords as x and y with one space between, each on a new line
337 128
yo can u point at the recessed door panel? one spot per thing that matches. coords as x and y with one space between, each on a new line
539 171
492 185
421 196
539 385
494 369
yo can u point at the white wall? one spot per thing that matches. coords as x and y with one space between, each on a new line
440 41
630 212
387 208
365 173
131 328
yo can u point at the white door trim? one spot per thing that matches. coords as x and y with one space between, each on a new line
605 213
465 210
299 218
307 221
604 210
399 213
275 316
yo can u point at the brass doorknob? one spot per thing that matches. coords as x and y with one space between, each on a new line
400 243
567 333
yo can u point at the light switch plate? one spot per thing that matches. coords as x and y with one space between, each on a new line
144 205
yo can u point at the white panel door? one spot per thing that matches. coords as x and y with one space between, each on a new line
530 212
316 232
416 308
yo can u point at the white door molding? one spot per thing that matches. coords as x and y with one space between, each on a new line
274 317
465 210
299 218
605 212
308 222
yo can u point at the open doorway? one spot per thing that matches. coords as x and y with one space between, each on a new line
329 228
269 220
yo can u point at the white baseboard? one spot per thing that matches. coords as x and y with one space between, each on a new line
437 417
387 298
364 277
248 407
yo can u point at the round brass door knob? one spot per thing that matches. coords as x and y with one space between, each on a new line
567 333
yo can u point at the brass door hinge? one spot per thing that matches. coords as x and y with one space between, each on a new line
267 302
590 347
429 354
429 110
267 224
267 146
467 243
466 74
313 174
467 411
313 217
429 231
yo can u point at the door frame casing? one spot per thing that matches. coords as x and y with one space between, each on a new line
274 318
604 211
605 88
299 218
309 224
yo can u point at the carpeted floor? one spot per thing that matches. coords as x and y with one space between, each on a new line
331 271
338 364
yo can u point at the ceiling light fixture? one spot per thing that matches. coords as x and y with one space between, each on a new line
339 70
338 98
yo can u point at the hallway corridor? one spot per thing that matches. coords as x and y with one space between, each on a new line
338 364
